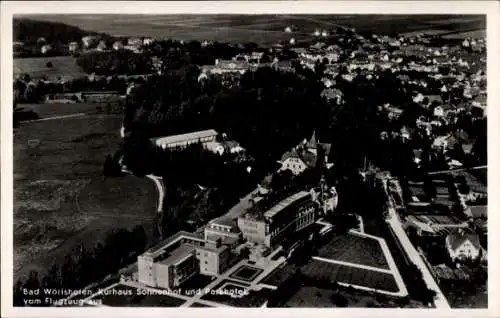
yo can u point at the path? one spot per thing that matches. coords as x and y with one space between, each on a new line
370 268
161 191
55 117
410 250
458 170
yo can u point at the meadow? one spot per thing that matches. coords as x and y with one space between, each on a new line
63 67
62 199
265 29
53 110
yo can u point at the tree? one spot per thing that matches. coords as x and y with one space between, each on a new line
53 278
140 238
68 271
18 296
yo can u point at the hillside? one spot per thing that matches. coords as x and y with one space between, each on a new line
29 30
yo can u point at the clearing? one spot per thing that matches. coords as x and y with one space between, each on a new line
61 198
63 67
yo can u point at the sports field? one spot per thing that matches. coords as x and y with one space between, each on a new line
63 67
61 198
264 28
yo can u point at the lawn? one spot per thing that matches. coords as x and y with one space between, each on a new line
279 275
62 66
354 249
263 28
125 296
61 198
350 275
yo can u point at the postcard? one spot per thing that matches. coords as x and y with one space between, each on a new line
169 157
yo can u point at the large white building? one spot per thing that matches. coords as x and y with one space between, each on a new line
181 257
184 140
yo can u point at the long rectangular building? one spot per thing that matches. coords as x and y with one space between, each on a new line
183 140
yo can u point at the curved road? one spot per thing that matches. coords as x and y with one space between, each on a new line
161 190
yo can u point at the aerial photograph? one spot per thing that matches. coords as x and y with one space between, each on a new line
238 160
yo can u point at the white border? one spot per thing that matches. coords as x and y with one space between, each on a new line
9 8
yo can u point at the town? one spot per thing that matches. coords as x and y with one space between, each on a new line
336 167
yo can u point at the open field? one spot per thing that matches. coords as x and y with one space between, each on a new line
262 28
62 66
350 275
354 249
52 110
61 198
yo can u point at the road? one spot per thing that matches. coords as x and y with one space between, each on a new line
394 222
458 170
55 117
161 190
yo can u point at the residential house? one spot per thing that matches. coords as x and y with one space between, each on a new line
89 41
228 66
117 45
435 224
463 246
147 41
102 46
137 42
226 146
46 49
297 161
333 94
284 66
73 47
305 156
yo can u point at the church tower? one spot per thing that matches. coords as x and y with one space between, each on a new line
312 144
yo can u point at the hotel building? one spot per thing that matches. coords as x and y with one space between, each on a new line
181 257
290 215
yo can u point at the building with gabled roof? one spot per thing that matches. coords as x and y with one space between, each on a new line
463 246
183 140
